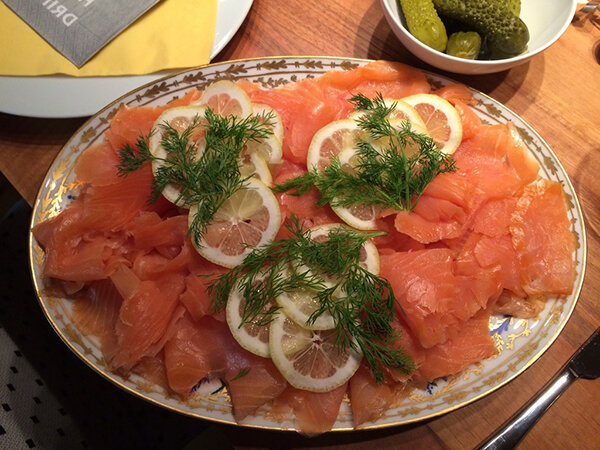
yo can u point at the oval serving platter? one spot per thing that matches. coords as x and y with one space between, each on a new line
520 342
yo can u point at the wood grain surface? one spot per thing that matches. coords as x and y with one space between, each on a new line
557 93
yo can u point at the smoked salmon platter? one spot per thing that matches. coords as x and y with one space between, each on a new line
285 299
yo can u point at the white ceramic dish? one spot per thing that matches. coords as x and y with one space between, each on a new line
59 96
546 21
520 342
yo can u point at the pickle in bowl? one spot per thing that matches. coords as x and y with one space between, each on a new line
495 22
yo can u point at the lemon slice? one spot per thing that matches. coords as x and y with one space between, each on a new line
253 164
412 146
369 256
277 128
345 134
362 216
441 119
269 149
300 304
251 336
226 98
358 216
331 140
179 118
248 219
402 111
309 359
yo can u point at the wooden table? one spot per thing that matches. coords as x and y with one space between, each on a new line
557 92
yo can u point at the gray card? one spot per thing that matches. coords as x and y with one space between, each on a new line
79 28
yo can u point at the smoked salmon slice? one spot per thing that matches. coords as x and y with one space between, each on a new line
491 251
469 119
541 235
472 344
129 124
304 108
75 254
493 217
496 161
304 207
196 298
425 227
151 231
370 400
444 210
424 286
514 305
144 317
477 285
115 205
96 313
456 92
206 348
316 412
194 352
152 369
251 380
97 166
390 79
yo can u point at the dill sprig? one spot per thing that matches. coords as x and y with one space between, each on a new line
242 373
206 180
133 158
393 167
363 317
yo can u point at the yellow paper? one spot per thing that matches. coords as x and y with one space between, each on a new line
173 34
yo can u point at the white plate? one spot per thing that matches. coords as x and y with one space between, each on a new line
61 96
520 342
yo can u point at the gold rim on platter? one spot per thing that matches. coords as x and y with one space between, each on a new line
520 342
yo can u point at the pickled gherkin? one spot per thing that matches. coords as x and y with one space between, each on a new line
506 33
515 7
464 44
424 23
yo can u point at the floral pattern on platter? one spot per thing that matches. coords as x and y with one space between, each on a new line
520 342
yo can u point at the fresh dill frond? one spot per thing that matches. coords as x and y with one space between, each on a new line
177 167
299 185
363 317
207 175
392 168
130 160
242 373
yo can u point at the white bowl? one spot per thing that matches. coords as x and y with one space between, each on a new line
546 21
